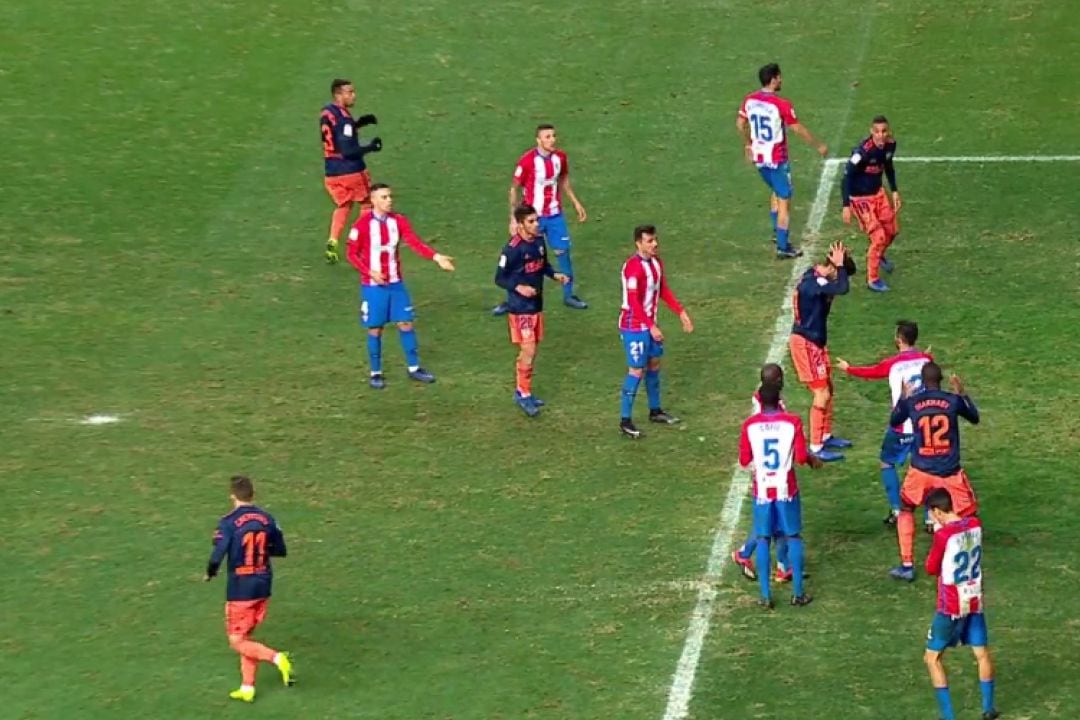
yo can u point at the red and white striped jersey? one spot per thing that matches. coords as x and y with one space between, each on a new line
903 367
374 245
643 287
538 175
768 115
956 558
772 443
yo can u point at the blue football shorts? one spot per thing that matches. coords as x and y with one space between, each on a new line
555 231
778 179
896 447
640 347
777 517
946 632
382 304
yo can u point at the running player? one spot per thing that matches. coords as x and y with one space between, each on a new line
763 120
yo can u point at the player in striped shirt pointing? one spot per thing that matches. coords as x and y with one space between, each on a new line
643 287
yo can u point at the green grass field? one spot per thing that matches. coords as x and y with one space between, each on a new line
160 259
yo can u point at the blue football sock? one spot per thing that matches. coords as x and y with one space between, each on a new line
652 388
987 688
944 703
891 481
748 547
374 351
566 267
763 566
783 554
629 392
781 238
772 216
795 554
411 348
926 514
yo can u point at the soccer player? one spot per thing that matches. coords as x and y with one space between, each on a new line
811 303
771 374
347 178
862 192
935 460
772 441
374 251
903 367
522 267
762 121
247 538
543 175
956 558
644 285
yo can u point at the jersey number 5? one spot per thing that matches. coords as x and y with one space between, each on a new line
254 550
772 454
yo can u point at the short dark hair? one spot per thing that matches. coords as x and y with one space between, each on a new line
908 331
642 230
931 375
523 211
768 73
772 374
242 488
880 120
939 499
378 186
337 83
769 395
544 126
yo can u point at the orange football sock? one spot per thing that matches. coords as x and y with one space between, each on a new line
338 220
818 418
826 427
524 378
905 536
878 242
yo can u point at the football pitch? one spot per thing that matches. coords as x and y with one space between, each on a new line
449 558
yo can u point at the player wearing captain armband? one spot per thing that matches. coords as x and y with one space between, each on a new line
763 120
956 558
772 442
903 367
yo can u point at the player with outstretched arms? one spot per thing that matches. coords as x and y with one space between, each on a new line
247 538
903 367
772 443
863 194
644 285
347 178
935 458
763 121
375 252
542 174
956 557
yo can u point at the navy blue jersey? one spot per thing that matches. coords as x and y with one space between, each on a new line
524 262
862 174
247 538
342 152
813 299
936 416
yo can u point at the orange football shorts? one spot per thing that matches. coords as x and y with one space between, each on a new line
528 328
354 187
243 616
918 484
811 362
875 213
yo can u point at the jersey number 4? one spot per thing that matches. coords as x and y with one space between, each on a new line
762 128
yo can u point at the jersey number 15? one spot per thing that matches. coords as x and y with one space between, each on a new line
762 128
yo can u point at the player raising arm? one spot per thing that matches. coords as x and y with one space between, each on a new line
862 192
543 176
374 250
762 121
903 367
935 461
523 265
956 557
644 285
811 304
347 178
247 538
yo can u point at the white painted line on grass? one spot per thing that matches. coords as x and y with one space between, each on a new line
975 159
682 684
100 419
